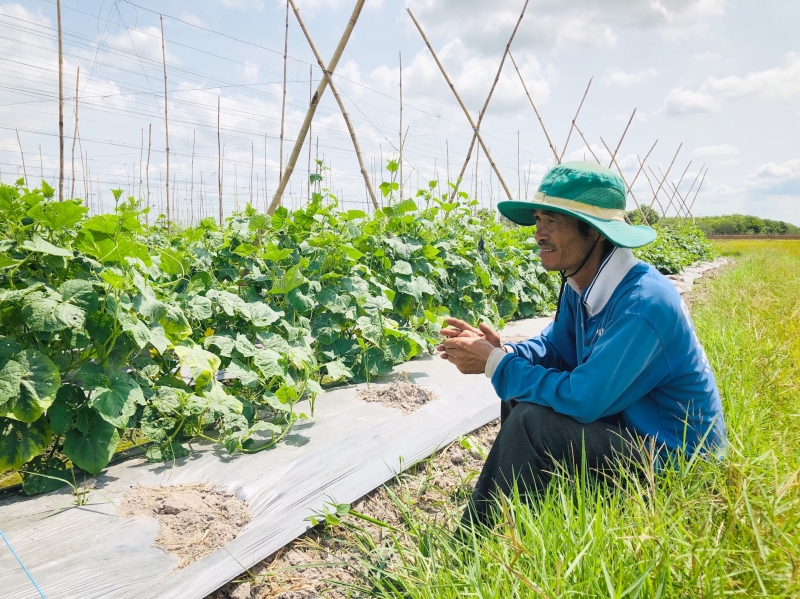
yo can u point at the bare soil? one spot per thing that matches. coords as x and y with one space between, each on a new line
193 520
320 562
401 394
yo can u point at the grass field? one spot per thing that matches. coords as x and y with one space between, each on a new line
706 530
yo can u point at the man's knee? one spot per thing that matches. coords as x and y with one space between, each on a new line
532 421
547 432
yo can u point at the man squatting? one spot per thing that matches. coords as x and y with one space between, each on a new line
620 368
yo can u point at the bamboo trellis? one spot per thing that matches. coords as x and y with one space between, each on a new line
300 141
472 124
488 98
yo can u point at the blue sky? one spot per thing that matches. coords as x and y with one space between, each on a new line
721 77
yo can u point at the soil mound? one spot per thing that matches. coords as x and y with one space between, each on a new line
193 520
401 394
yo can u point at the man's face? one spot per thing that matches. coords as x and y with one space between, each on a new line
561 245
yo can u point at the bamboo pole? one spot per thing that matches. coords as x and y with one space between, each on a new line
338 98
525 87
614 155
677 206
41 163
680 198
84 166
219 164
649 182
141 156
447 157
660 185
166 118
519 180
310 133
663 210
641 163
587 144
75 134
476 128
677 212
147 170
698 191
21 153
265 172
400 56
60 107
630 189
463 107
566 143
283 100
252 166
298 144
477 156
697 176
191 191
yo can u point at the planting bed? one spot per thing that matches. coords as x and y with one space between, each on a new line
211 346
350 448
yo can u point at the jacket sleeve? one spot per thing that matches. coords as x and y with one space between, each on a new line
555 346
626 364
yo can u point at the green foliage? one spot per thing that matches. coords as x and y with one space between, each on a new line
675 248
109 328
740 224
635 216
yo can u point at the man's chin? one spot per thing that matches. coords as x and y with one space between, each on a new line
549 261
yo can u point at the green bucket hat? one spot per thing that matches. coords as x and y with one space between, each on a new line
589 192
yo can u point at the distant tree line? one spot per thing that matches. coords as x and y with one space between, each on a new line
741 224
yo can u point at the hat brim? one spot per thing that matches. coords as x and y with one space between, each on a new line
621 234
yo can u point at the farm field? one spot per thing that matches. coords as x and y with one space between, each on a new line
117 333
706 529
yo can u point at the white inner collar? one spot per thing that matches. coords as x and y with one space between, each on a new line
612 270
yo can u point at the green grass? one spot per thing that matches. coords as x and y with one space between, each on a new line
705 530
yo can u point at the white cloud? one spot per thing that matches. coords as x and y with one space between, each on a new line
783 82
193 19
550 24
623 79
243 4
780 81
313 7
248 71
684 101
777 179
718 151
145 42
472 74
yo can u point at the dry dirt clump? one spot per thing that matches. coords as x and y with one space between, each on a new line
320 562
193 520
401 394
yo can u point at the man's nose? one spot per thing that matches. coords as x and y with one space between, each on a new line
541 234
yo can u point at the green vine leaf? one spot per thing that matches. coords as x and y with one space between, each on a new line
39 245
37 382
117 402
19 441
92 448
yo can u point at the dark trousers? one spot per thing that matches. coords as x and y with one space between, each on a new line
531 441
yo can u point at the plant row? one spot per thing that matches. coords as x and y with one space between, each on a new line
114 331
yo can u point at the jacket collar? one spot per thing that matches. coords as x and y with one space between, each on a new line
617 263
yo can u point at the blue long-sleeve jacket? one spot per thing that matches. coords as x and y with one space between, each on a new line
626 345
